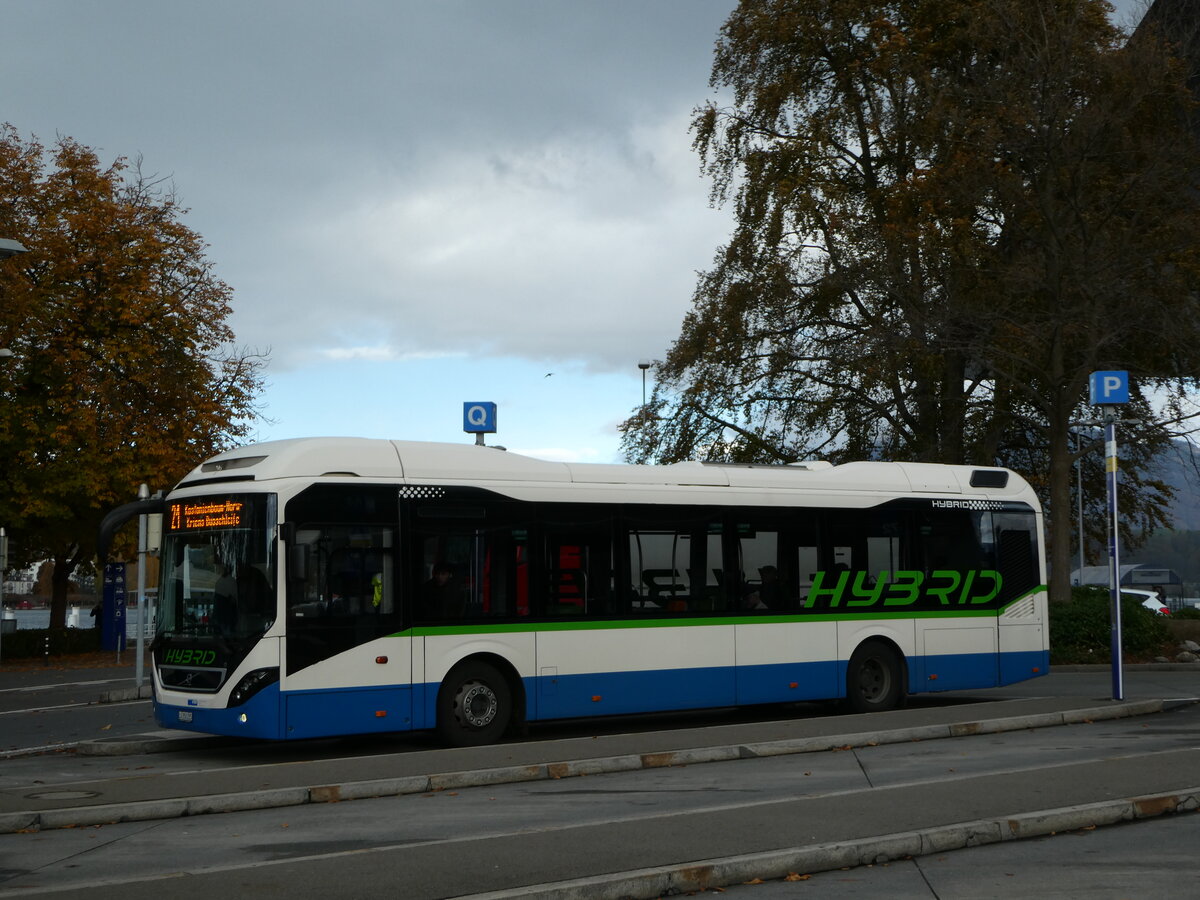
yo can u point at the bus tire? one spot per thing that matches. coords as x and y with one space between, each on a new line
474 705
875 678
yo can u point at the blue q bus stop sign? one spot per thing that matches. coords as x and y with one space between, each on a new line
479 418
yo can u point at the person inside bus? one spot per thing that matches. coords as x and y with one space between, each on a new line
766 594
441 595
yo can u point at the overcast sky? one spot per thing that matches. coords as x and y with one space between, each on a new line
417 204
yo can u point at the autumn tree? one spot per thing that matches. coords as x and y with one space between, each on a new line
940 207
123 370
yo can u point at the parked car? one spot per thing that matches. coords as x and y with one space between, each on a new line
1148 599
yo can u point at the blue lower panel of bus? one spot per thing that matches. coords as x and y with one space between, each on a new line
971 671
1024 665
610 693
301 714
786 682
312 714
633 692
260 712
952 672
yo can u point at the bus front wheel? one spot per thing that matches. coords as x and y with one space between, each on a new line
875 678
474 705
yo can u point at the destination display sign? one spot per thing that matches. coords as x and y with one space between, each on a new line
203 514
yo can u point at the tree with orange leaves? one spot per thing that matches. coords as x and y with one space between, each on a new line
123 369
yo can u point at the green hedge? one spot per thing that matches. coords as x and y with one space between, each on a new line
31 642
1081 630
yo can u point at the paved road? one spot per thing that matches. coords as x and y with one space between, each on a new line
762 815
56 707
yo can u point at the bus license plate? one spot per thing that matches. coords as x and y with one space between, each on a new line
185 715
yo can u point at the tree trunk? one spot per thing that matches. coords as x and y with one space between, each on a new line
1059 514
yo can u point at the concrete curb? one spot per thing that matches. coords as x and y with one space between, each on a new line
120 695
778 864
296 796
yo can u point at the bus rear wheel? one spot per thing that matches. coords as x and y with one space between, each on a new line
474 705
875 678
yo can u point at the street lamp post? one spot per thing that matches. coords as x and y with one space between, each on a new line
643 364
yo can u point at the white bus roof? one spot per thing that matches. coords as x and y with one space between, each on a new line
416 462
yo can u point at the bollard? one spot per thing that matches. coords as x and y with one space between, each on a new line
46 655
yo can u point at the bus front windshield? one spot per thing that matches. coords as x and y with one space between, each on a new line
218 567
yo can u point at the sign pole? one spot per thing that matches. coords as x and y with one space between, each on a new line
1111 390
1114 551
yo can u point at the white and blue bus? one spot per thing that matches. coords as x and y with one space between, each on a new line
335 586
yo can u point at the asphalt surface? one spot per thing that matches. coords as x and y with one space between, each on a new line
810 834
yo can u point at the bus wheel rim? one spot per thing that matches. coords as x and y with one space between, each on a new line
477 705
873 681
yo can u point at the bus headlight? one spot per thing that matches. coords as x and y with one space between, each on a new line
251 684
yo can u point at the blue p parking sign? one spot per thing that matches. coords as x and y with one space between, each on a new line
1108 388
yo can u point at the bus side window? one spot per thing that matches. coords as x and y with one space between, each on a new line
1016 554
759 587
658 565
576 563
471 574
951 539
675 569
865 550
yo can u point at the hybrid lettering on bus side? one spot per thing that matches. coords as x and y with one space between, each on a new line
942 588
